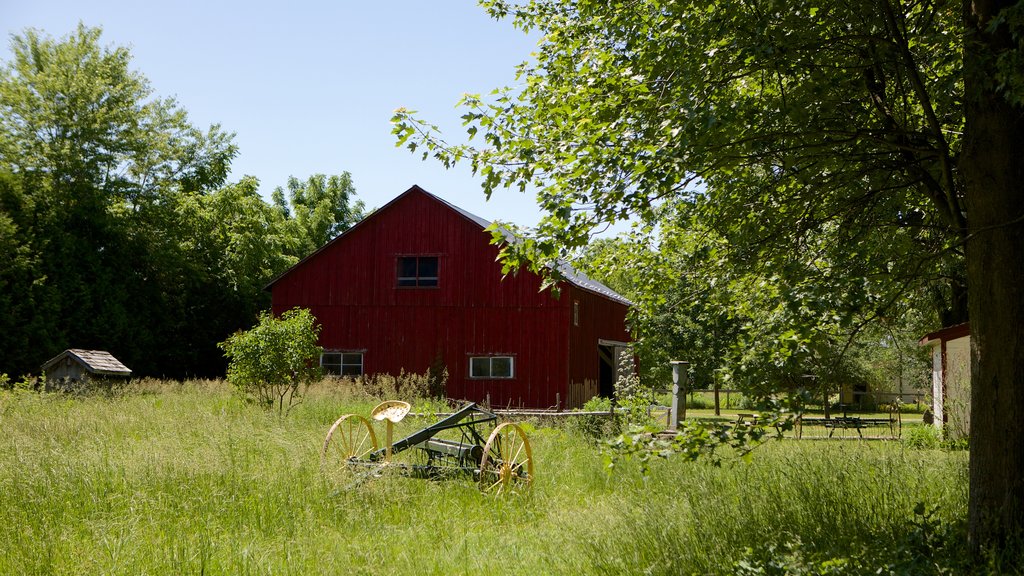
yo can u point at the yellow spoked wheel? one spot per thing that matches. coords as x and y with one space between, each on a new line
351 437
507 464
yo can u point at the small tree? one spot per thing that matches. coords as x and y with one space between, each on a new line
270 362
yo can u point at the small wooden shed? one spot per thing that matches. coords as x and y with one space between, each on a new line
951 378
76 366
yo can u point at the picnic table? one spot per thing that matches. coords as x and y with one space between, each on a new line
845 422
893 422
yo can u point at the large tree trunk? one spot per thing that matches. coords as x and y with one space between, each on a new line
993 167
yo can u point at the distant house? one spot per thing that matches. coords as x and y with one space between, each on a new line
76 366
417 284
951 378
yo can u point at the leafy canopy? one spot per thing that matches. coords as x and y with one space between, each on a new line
320 208
772 120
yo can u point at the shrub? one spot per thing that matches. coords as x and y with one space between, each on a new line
593 426
924 437
408 386
28 383
270 362
699 401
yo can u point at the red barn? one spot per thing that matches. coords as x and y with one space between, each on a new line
417 282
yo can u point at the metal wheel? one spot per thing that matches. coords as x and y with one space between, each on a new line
507 464
350 438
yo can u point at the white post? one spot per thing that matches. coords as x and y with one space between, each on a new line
679 384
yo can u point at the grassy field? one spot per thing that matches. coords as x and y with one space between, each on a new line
188 479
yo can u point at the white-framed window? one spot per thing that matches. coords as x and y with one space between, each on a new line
417 271
575 312
492 367
342 363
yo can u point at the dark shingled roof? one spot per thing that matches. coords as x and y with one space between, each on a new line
95 361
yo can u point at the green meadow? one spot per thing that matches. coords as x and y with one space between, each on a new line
190 479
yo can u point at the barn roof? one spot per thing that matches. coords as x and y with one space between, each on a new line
570 274
95 361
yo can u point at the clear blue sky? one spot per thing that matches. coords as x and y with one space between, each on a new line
310 86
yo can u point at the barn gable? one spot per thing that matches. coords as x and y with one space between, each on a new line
416 284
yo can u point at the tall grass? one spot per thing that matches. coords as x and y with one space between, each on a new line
188 479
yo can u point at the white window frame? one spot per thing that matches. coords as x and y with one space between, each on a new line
473 360
345 359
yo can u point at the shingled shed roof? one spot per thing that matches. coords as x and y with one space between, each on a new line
95 361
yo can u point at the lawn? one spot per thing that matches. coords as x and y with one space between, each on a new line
189 479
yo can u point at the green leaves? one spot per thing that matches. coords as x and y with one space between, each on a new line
792 170
123 231
627 106
318 209
272 361
710 442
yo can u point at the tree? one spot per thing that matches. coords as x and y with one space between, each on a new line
319 209
271 362
94 160
762 330
994 187
896 126
24 299
123 231
226 246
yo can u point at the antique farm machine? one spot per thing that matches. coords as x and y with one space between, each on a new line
455 445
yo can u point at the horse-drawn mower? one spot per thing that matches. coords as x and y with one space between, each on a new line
455 445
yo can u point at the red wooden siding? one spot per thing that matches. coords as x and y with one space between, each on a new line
350 286
599 319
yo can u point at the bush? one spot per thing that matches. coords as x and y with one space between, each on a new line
632 397
924 437
270 362
596 427
28 383
698 401
407 386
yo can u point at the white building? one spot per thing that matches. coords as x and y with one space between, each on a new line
951 379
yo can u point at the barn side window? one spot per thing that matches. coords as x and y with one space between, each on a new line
491 367
417 271
342 363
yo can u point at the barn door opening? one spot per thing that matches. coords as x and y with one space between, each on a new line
614 364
